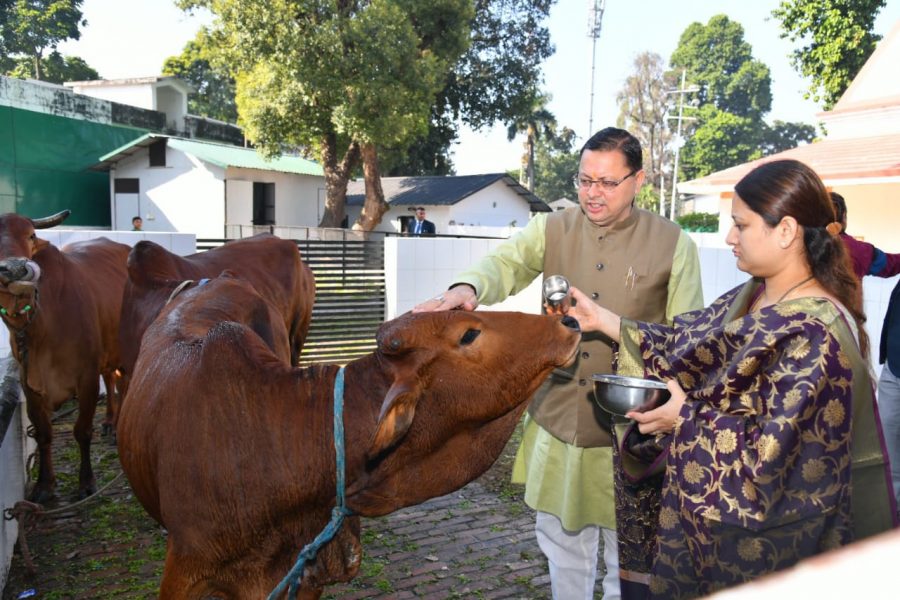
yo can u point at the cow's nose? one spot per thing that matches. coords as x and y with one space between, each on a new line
571 323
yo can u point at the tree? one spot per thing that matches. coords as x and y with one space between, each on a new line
781 136
539 123
735 95
497 80
55 68
31 27
838 40
642 111
201 65
555 164
342 79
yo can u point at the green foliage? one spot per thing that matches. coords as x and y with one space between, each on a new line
838 40
648 197
498 79
642 111
55 68
721 140
201 66
555 163
783 136
735 95
29 28
718 59
701 222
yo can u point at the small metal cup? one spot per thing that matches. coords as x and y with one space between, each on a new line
556 293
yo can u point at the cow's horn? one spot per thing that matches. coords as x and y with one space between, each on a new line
52 220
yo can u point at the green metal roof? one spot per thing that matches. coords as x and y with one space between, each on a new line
221 155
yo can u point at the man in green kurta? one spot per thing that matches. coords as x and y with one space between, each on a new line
628 259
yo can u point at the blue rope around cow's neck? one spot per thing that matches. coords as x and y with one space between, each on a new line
338 513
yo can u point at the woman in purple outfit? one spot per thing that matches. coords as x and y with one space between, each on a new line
769 450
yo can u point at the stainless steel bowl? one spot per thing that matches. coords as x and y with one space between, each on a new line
619 395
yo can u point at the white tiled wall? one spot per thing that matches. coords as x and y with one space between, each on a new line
419 268
179 243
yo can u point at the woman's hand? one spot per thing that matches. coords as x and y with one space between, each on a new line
662 419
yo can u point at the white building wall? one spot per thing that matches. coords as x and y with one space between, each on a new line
495 206
187 195
296 196
140 95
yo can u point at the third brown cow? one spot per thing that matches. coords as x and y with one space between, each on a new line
232 449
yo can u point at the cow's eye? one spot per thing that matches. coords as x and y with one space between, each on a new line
469 337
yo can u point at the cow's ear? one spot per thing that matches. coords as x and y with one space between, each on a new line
397 412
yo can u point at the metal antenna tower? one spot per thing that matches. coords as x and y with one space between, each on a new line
595 20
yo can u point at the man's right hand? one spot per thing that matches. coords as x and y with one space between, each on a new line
461 296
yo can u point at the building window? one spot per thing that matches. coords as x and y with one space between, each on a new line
127 186
158 153
263 203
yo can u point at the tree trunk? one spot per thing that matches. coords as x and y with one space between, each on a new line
336 178
375 206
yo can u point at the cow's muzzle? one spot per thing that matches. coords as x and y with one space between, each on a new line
19 269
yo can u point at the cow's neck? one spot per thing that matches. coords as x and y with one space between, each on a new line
365 386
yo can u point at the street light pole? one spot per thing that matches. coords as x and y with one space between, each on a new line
595 19
679 141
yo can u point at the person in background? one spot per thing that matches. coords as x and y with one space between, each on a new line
420 225
889 384
867 259
770 445
870 260
565 459
137 224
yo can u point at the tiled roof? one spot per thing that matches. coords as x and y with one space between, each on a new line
439 190
858 158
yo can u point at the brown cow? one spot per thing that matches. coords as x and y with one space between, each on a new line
270 264
62 312
232 450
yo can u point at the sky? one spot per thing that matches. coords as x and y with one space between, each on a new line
132 38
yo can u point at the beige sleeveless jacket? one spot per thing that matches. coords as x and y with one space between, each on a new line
624 267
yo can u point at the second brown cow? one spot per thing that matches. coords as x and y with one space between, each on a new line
268 263
232 450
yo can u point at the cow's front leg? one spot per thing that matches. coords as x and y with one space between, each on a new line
39 415
83 432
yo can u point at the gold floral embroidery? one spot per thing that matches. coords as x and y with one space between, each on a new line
747 400
844 359
657 585
834 412
798 349
749 490
769 340
747 366
792 399
693 472
668 518
769 448
712 513
704 355
787 310
686 380
813 470
733 327
749 549
726 441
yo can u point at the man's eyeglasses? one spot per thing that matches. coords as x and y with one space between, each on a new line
607 185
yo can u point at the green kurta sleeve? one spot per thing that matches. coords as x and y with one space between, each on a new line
685 288
510 267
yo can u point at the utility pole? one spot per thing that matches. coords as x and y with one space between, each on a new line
595 20
679 141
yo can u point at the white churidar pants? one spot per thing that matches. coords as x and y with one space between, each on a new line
572 558
889 412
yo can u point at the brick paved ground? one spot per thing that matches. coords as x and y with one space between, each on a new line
477 542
